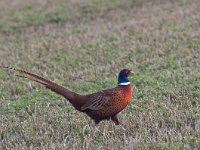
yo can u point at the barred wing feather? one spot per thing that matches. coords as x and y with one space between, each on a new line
96 101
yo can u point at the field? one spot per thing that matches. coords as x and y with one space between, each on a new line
83 45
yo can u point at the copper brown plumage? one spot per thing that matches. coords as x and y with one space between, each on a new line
102 105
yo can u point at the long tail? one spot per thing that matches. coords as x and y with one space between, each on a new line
71 96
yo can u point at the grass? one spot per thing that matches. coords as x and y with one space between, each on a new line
83 45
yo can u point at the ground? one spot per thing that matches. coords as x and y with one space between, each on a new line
83 45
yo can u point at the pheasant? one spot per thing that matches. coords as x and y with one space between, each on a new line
103 105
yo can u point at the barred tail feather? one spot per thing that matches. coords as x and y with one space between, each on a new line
47 83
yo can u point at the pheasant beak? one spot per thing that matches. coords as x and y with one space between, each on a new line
131 73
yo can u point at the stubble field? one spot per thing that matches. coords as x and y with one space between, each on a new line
83 45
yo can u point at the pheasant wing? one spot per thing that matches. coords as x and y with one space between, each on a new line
97 101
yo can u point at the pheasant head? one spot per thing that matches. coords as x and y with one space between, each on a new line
123 77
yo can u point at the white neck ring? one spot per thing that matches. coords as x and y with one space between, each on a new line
124 83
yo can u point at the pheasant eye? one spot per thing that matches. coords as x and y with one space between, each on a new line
126 73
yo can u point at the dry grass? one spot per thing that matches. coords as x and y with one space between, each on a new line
83 45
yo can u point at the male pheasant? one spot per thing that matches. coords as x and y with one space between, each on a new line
103 105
